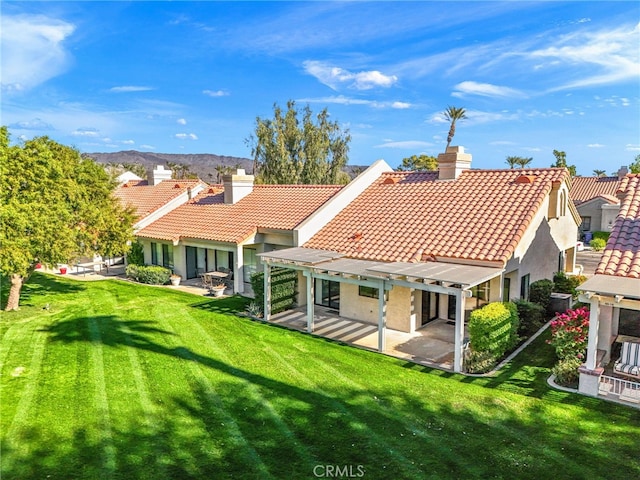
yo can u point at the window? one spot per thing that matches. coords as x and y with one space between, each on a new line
481 294
524 287
154 253
371 292
563 203
506 289
586 224
167 256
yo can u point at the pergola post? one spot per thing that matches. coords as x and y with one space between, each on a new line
267 291
310 301
459 332
382 317
592 346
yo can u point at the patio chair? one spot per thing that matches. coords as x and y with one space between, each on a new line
629 362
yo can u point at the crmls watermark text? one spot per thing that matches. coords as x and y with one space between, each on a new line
338 471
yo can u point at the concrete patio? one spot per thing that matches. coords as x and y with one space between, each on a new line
431 345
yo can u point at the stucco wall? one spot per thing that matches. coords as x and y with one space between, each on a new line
592 209
399 307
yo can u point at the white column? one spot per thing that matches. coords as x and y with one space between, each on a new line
310 301
238 277
615 321
382 317
592 346
267 292
459 332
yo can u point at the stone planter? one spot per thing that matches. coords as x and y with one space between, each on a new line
218 291
175 280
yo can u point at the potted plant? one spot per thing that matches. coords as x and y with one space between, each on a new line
63 270
175 279
218 290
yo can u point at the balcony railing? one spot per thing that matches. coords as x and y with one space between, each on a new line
625 390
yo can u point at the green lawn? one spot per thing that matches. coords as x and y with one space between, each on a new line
117 380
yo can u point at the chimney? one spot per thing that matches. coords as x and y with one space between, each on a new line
622 172
159 174
452 163
237 186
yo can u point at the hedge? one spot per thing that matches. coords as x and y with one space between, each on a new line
599 235
136 254
540 293
491 328
563 283
149 274
284 289
532 317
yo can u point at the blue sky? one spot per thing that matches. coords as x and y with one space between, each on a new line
191 77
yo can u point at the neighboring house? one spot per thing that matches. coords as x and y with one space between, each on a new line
227 228
417 246
155 198
127 176
615 288
596 201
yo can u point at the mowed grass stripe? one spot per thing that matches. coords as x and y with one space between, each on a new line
19 425
254 392
210 399
101 399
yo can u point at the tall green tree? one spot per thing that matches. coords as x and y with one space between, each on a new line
288 149
599 173
453 114
54 207
561 162
418 163
635 166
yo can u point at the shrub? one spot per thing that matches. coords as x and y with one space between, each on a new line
254 309
514 320
540 293
479 362
570 333
600 235
532 317
284 288
598 244
563 283
566 371
136 254
490 329
132 272
149 274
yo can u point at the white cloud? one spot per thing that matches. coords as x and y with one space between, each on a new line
215 93
407 144
400 105
342 100
32 50
147 147
632 148
186 136
502 142
34 124
181 121
128 142
335 77
613 54
475 117
595 145
486 90
130 88
86 132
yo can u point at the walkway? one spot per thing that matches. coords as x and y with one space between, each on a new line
431 345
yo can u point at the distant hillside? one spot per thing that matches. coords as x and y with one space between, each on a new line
201 164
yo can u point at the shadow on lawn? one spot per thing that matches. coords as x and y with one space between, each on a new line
246 425
39 285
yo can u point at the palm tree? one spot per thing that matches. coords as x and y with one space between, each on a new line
513 161
453 114
599 173
523 162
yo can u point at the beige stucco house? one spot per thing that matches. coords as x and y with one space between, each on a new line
418 246
613 293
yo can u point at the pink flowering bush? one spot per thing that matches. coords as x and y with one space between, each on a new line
570 333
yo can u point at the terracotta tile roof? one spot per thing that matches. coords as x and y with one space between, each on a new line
207 217
146 199
410 216
622 254
584 189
